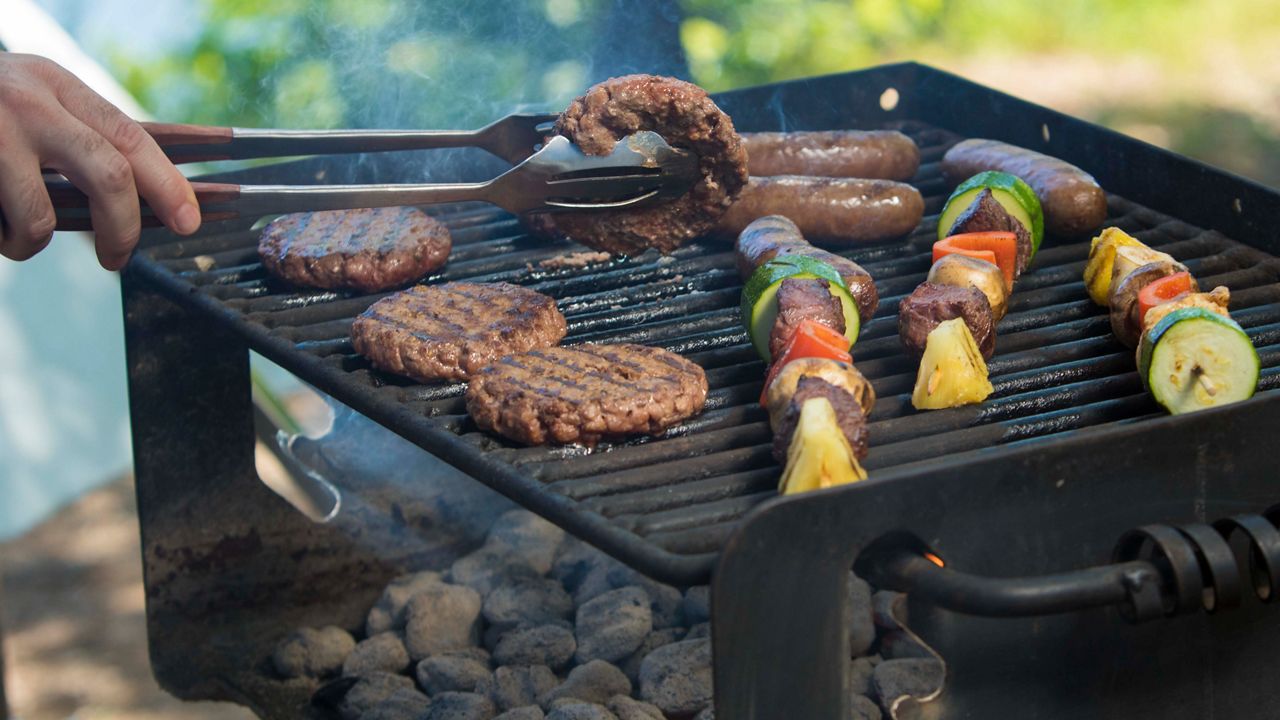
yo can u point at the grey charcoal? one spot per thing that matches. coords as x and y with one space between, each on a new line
611 626
384 652
628 708
529 536
388 612
460 706
513 686
862 626
489 567
860 675
575 560
581 711
452 672
665 602
550 645
595 681
595 584
654 640
864 708
677 677
528 712
701 630
526 603
916 677
311 652
369 691
441 617
697 604
403 704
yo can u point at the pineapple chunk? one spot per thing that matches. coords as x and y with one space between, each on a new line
952 372
1102 257
819 456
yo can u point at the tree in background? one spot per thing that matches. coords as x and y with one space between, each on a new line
306 64
1205 79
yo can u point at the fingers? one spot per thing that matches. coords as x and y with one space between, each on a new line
102 172
28 215
165 189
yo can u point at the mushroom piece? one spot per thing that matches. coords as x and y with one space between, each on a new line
842 375
964 271
1124 298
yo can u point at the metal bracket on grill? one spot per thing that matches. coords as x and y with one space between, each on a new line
1159 571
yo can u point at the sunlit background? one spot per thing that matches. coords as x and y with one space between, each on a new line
1201 78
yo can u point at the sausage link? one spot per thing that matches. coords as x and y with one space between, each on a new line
1073 202
839 211
775 236
886 154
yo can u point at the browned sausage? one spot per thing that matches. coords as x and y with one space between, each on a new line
886 154
1072 201
775 236
838 211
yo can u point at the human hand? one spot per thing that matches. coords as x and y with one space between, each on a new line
51 120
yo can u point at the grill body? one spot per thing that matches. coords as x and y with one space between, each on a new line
1044 477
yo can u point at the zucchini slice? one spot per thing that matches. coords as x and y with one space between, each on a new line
1195 359
760 297
1013 194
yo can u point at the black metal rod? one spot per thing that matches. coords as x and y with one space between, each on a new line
907 571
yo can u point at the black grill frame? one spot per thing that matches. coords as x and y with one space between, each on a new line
673 530
787 556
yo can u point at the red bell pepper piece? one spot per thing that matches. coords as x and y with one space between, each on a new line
997 247
1162 291
810 339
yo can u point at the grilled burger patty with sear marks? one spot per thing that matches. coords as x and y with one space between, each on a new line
368 250
686 117
586 393
450 331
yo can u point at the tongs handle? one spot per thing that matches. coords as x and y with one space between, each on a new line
191 143
227 201
71 206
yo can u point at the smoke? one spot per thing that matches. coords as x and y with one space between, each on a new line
463 63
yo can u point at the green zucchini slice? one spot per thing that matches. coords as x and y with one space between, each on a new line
760 297
1013 194
1195 359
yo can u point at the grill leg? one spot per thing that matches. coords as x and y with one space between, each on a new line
780 635
229 566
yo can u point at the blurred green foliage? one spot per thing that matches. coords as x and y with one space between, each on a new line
329 63
732 43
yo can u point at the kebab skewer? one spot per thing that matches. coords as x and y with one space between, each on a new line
1190 354
803 308
988 233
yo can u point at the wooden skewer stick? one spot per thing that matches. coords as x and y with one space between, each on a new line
1204 381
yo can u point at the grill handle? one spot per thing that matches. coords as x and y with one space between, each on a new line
1157 571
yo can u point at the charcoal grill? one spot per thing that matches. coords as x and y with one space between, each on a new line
1066 457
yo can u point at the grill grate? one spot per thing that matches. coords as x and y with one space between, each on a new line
668 504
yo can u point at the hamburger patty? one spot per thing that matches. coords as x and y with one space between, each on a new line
685 117
586 393
450 331
368 250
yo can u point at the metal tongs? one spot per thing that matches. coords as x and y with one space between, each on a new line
549 176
